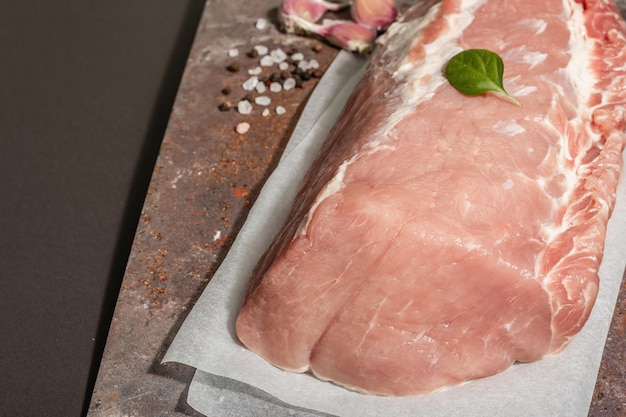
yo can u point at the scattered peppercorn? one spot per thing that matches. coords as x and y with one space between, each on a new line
287 70
274 77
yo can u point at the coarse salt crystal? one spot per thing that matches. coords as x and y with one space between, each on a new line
250 83
303 65
263 100
242 128
261 88
265 112
255 71
283 66
261 24
289 83
267 61
276 87
313 64
233 53
278 55
280 110
297 56
261 49
244 107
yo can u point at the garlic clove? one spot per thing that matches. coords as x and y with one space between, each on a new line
310 10
348 35
378 14
292 23
297 17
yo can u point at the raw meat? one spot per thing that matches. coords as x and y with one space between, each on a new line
438 237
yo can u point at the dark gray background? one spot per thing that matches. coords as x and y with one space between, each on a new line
86 88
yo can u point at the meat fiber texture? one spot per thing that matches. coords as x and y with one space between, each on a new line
440 238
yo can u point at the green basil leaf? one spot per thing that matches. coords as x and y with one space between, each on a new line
477 71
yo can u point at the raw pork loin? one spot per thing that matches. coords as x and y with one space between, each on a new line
438 237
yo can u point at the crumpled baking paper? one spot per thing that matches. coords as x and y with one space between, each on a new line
232 381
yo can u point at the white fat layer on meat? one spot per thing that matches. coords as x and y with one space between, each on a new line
508 184
516 90
331 187
578 68
508 128
403 35
419 80
539 25
337 182
579 74
522 54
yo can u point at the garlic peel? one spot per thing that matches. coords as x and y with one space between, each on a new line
310 10
378 14
348 35
369 16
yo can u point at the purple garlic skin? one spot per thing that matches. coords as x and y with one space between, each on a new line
309 10
377 14
345 34
301 17
348 35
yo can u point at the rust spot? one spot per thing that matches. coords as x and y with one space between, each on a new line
156 293
240 192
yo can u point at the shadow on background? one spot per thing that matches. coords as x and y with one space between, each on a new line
141 178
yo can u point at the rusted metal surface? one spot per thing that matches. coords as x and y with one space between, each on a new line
609 397
206 179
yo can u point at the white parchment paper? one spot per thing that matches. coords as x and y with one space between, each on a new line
232 381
